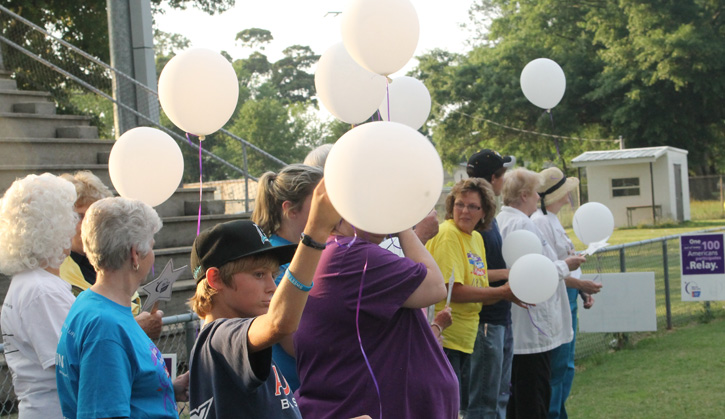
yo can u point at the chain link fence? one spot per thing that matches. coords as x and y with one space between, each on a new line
661 256
176 338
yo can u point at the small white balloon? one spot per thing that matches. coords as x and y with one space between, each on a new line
381 35
533 278
519 243
593 222
351 93
409 102
383 177
198 91
146 164
543 83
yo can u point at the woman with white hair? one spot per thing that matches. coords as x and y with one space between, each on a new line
541 328
37 223
107 366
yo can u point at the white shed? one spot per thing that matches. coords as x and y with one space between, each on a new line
638 184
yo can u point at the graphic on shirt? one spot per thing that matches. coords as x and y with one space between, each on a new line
202 411
279 387
479 268
164 378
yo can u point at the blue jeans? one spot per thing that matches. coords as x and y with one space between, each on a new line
562 367
490 372
461 363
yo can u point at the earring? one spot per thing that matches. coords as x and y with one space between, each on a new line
135 267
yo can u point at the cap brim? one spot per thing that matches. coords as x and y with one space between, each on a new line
509 161
283 253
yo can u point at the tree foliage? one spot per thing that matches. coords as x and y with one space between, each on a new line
646 70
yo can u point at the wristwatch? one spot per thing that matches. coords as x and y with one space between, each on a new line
307 241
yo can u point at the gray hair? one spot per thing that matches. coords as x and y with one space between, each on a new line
517 182
318 156
37 223
113 226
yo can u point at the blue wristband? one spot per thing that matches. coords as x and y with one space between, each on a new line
296 283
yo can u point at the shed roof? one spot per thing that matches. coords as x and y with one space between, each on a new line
626 156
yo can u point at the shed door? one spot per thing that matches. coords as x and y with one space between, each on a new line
678 193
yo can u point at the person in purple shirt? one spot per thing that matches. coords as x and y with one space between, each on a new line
363 345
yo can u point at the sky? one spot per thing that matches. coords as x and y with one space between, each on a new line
309 23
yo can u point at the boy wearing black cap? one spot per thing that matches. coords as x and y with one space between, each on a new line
234 264
493 352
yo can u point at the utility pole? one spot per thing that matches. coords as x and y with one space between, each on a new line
132 53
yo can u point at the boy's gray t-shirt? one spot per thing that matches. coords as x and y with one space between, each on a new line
227 381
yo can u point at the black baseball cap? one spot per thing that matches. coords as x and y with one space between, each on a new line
487 162
230 241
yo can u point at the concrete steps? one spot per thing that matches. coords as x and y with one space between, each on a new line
35 140
31 125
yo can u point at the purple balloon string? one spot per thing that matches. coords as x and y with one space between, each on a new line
359 339
354 238
532 322
198 220
387 94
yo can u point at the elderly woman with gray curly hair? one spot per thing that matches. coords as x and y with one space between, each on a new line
37 223
107 366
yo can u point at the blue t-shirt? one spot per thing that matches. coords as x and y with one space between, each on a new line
286 363
106 366
500 312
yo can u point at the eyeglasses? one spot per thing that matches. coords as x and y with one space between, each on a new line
470 207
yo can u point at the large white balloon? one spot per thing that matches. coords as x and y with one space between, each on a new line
146 164
198 90
409 102
383 177
347 90
381 35
533 278
519 243
593 222
543 83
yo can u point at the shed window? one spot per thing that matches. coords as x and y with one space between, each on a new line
625 187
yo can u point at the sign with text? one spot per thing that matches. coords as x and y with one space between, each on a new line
626 303
702 263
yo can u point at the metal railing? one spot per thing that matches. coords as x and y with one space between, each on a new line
82 84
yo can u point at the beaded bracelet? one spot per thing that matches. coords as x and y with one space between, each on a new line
296 283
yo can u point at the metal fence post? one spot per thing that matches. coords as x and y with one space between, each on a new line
190 329
622 261
246 178
666 266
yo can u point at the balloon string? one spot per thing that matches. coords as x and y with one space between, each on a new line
393 243
387 94
534 323
359 339
354 238
198 220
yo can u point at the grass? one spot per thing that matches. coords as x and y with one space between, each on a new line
674 374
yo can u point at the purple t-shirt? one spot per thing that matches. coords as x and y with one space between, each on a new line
412 373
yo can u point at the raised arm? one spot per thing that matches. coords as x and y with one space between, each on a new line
432 289
285 309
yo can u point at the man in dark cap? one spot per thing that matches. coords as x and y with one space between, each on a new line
493 352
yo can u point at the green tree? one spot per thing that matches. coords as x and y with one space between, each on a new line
646 70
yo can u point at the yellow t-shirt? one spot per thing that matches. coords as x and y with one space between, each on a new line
71 273
464 256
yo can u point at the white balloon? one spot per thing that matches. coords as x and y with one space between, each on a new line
198 90
383 177
351 93
409 102
381 35
533 278
146 164
543 83
593 222
519 243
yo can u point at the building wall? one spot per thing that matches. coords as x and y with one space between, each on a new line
600 190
